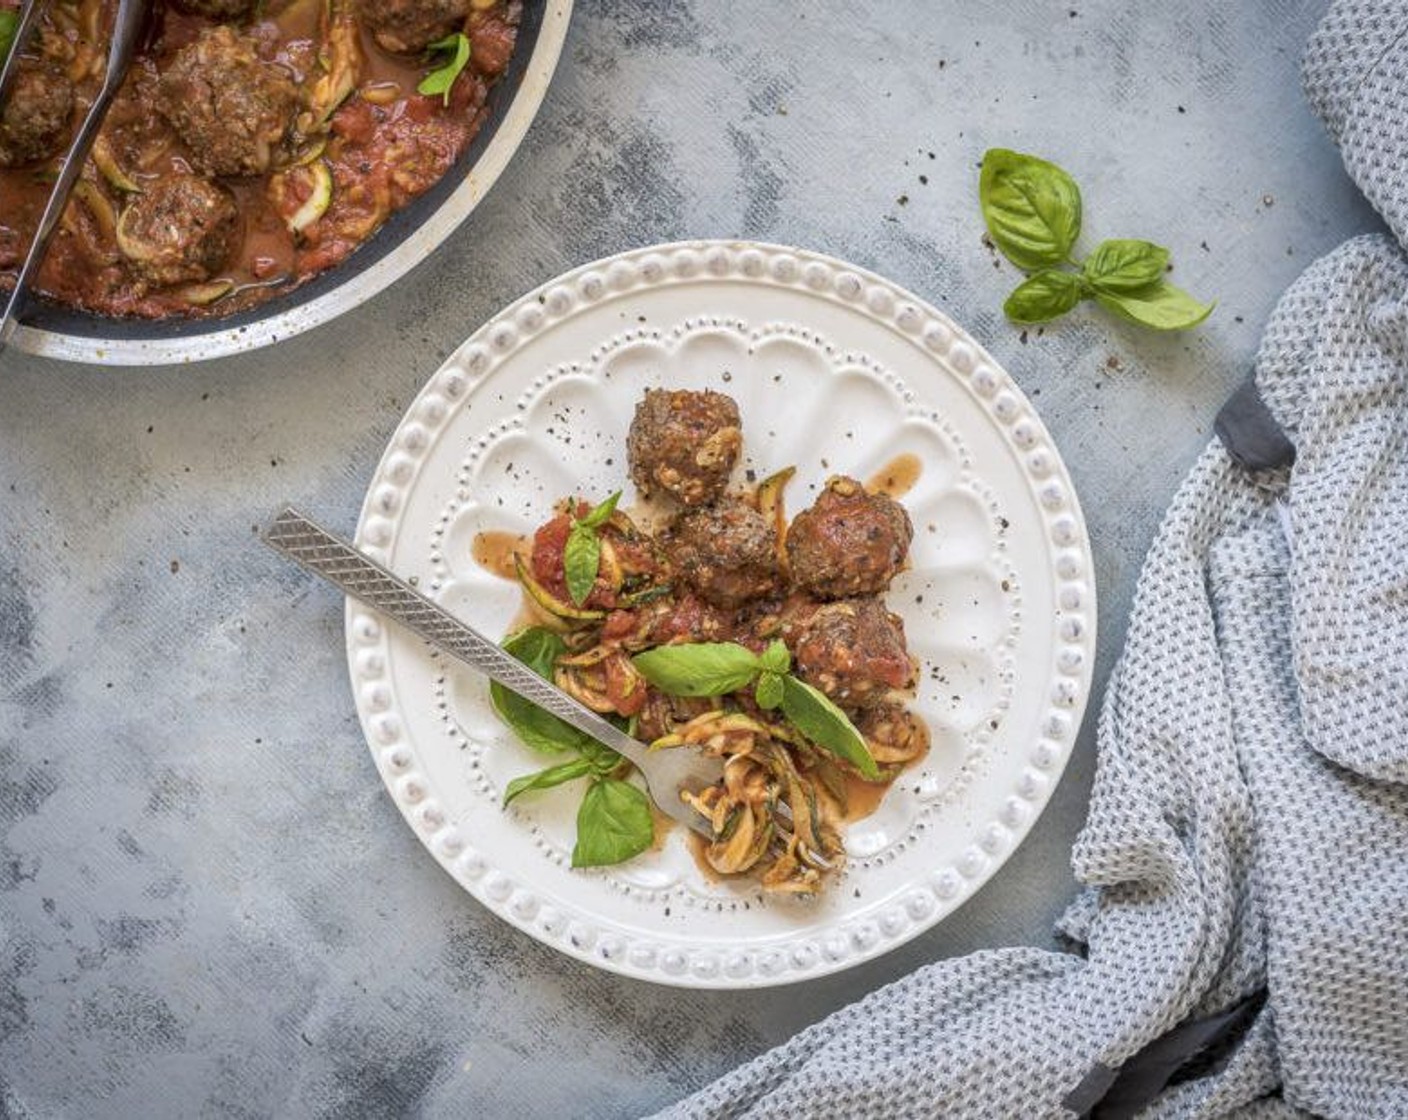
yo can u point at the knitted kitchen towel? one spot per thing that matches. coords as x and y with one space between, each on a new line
1248 828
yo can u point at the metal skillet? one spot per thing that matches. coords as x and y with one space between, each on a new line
407 238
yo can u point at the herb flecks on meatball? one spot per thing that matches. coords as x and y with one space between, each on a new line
850 542
727 553
231 108
854 651
180 228
35 121
685 443
409 26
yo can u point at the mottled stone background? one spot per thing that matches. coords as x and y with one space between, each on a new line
208 906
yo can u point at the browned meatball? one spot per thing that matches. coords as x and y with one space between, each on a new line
409 26
727 553
178 229
231 108
849 543
35 122
223 11
685 443
854 652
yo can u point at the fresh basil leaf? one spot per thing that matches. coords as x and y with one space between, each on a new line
1161 306
1045 296
538 648
613 824
1031 207
698 668
826 725
546 779
581 559
1125 265
601 514
442 78
775 658
602 758
768 694
9 24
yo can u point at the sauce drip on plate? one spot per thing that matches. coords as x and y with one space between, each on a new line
897 477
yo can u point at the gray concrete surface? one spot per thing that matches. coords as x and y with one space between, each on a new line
208 906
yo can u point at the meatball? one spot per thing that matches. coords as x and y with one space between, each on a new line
409 26
854 652
230 107
35 121
727 553
849 542
179 228
222 11
685 443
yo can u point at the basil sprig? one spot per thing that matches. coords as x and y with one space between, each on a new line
9 24
1033 213
1032 208
717 668
698 668
442 78
614 823
581 558
538 648
546 779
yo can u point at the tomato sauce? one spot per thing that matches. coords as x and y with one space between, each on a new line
384 145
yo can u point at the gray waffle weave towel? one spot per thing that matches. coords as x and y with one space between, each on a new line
1248 829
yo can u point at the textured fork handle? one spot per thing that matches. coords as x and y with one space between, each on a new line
314 548
323 554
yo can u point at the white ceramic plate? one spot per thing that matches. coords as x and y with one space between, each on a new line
834 370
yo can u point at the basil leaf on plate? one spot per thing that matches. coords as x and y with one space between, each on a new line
1161 306
601 514
768 694
581 558
775 658
546 779
613 824
602 758
442 78
1044 297
538 648
826 725
1031 207
1125 265
9 24
698 668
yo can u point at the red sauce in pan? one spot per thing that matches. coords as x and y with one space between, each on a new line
384 145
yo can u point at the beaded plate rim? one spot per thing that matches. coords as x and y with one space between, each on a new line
664 959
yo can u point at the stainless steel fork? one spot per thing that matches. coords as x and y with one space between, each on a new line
666 772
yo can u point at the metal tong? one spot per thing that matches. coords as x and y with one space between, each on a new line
128 30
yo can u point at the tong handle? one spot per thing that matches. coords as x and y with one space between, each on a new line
127 29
